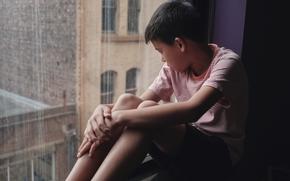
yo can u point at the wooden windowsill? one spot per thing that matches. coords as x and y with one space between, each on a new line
122 38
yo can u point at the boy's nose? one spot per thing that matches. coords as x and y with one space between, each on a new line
163 59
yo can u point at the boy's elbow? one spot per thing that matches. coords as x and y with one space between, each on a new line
194 111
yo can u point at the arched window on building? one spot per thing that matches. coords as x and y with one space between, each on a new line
107 86
133 16
109 8
131 80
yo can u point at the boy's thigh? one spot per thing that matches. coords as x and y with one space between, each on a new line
199 157
169 140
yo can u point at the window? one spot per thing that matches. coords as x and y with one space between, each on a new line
38 168
37 65
107 87
131 81
3 174
51 56
108 15
133 15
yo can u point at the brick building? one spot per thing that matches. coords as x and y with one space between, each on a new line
112 57
37 89
59 59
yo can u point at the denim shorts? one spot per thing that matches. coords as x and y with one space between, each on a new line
201 158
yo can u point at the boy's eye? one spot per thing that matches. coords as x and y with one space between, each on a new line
158 50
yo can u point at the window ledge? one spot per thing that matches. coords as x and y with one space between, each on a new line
146 172
122 38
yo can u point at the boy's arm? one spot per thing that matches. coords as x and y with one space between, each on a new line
171 113
105 109
150 95
93 130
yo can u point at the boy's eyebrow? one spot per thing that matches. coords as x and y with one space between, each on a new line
158 50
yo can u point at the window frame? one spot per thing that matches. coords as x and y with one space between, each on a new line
109 7
132 72
134 8
107 88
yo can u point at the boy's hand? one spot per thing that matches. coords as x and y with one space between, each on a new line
97 124
89 146
84 147
97 130
115 127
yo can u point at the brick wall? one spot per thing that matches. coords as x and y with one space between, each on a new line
24 137
37 49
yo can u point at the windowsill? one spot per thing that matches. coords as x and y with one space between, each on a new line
122 38
146 171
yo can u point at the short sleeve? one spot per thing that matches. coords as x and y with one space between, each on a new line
226 75
162 85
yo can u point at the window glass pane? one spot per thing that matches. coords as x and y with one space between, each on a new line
108 15
20 171
42 166
56 65
131 78
3 174
131 81
133 16
107 87
37 87
107 98
107 83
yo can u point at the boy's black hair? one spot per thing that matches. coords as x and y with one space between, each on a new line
176 19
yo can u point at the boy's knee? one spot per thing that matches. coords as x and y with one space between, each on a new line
147 103
127 101
126 98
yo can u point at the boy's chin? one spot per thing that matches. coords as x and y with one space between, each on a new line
180 70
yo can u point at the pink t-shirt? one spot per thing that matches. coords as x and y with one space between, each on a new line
226 119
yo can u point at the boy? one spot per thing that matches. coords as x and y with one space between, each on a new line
200 136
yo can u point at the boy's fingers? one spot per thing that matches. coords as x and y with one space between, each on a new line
93 148
100 124
107 110
98 133
107 115
95 130
108 131
85 149
85 140
91 134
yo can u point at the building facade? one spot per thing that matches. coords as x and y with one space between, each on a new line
112 57
60 59
37 89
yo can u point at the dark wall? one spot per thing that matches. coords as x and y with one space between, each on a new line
254 163
228 24
257 31
265 58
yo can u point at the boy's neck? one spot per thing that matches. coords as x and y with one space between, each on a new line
202 57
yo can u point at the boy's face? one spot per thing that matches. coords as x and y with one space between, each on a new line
172 55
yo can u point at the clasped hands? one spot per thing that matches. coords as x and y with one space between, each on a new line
100 128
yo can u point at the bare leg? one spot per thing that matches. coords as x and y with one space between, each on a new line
168 139
133 145
85 167
125 156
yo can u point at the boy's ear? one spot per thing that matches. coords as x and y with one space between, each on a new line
180 43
